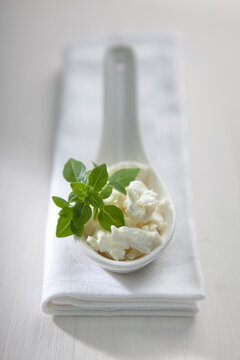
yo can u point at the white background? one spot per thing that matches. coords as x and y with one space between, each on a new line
33 35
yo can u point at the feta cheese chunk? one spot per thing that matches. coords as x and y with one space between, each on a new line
140 203
116 243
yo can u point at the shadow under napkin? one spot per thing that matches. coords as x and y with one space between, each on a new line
128 336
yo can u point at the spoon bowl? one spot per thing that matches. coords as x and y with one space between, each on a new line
153 182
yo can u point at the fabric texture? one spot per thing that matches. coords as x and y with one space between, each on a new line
173 283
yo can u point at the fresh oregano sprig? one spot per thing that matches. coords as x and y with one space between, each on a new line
89 189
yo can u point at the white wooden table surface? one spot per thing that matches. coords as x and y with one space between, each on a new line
33 35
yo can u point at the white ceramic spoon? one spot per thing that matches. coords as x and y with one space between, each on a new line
121 142
120 135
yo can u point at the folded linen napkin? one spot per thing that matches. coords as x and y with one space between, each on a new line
173 283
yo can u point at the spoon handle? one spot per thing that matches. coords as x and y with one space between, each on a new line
120 136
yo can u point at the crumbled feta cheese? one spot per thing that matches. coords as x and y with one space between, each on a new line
144 214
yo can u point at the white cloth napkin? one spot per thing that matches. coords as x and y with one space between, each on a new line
172 284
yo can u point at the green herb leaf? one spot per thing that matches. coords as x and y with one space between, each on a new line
74 170
124 176
60 202
94 164
81 214
90 188
106 192
64 227
95 213
119 187
96 200
79 189
98 177
72 197
66 212
110 215
77 230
